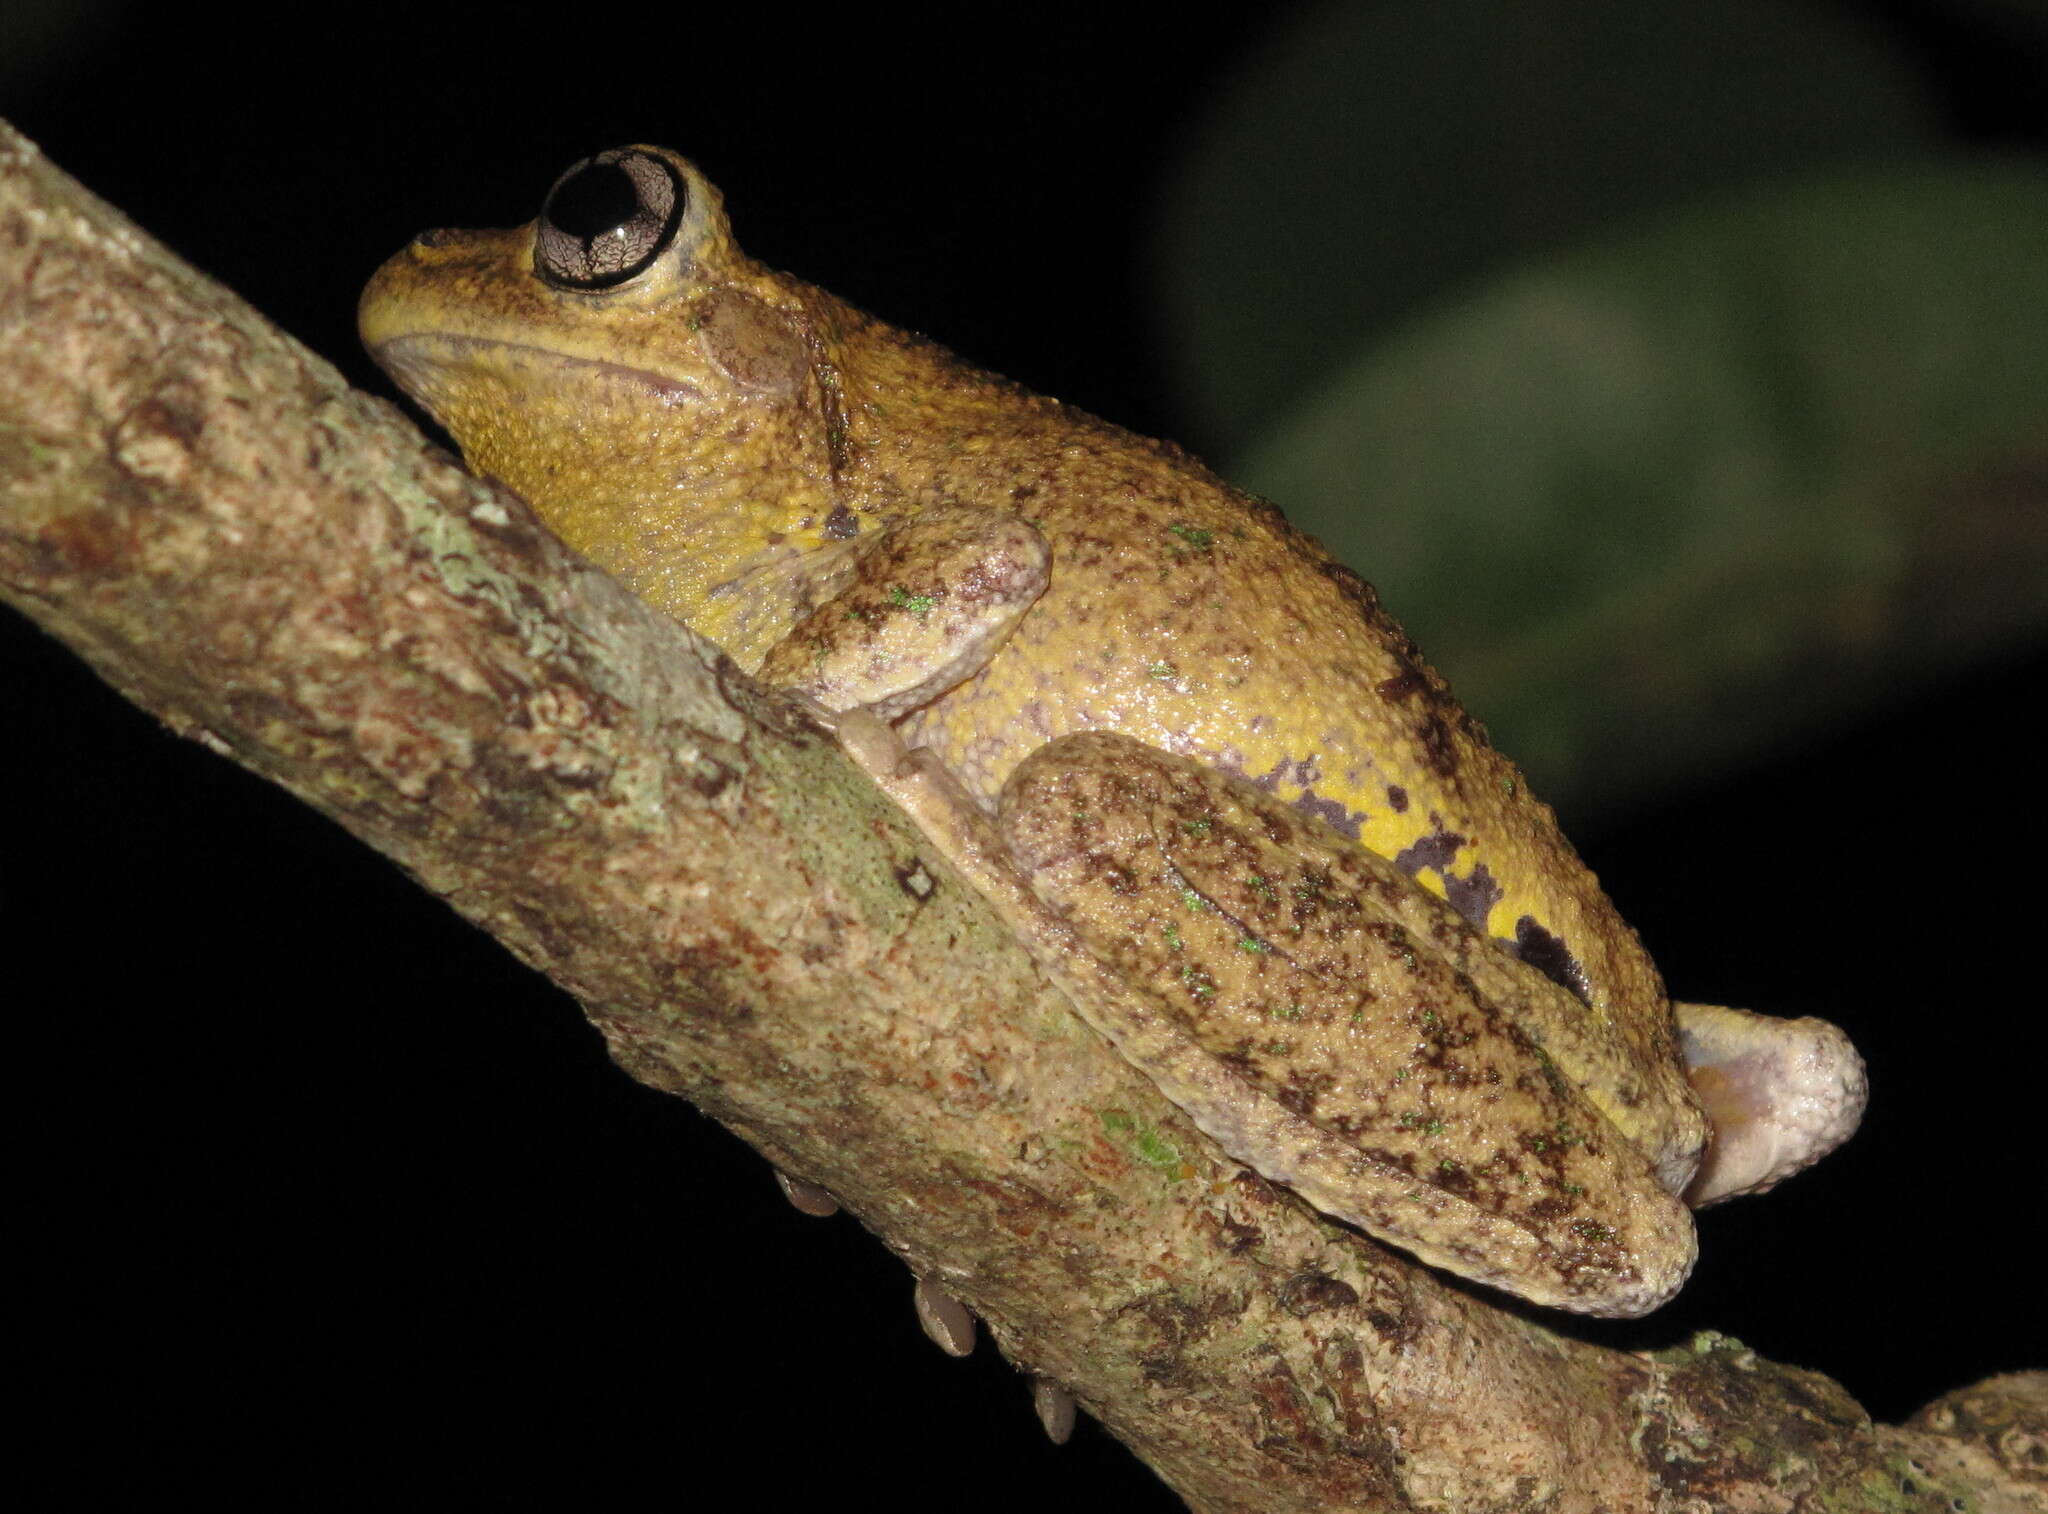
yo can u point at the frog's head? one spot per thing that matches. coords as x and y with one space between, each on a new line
653 393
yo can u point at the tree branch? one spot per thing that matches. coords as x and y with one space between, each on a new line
280 569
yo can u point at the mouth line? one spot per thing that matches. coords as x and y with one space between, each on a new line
417 351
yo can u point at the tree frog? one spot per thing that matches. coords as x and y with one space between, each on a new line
1227 803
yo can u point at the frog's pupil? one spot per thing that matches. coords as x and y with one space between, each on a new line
599 199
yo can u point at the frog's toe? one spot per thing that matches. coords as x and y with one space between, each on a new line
945 1319
1055 1408
1782 1094
808 1198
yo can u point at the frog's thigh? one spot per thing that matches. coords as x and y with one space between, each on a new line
1339 1029
927 607
1782 1094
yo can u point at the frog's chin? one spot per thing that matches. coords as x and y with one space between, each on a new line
437 368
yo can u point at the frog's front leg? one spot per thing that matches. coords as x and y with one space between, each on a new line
925 609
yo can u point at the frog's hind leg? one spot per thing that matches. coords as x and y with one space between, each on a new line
1338 1028
1782 1094
926 608
1318 1015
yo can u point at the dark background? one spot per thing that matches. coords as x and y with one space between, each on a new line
325 1199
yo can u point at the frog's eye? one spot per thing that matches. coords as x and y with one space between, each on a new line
607 219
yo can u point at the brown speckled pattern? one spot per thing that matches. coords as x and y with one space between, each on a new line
1424 1065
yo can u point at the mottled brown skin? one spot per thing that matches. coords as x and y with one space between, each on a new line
839 503
1313 974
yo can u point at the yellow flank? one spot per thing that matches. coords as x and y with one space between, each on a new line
730 441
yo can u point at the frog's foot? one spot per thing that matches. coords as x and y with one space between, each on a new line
1782 1094
925 609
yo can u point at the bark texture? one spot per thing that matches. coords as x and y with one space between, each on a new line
282 570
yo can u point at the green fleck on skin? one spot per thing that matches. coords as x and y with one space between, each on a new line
919 605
